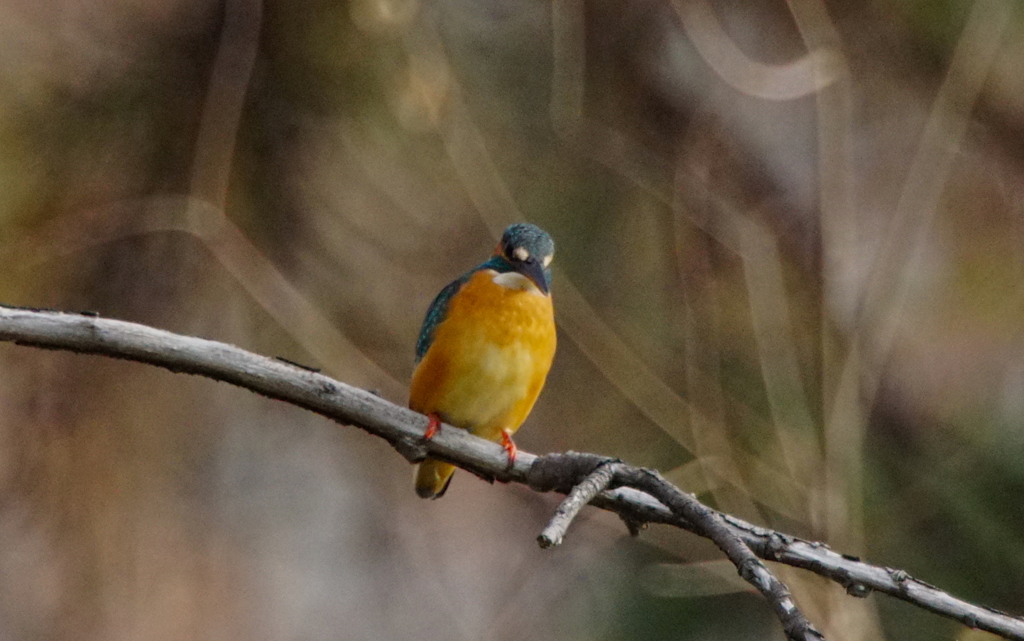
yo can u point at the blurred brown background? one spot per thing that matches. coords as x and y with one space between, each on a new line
789 275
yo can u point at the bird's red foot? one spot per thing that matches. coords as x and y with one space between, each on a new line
433 427
510 447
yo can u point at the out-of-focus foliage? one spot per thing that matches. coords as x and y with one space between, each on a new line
789 275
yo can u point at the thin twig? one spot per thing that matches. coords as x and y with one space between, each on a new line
404 429
857 577
713 525
595 483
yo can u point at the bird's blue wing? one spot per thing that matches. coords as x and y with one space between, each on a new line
437 313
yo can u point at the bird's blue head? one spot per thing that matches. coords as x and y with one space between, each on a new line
528 250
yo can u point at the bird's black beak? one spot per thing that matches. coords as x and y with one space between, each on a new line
533 270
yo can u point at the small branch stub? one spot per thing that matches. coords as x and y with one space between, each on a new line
597 482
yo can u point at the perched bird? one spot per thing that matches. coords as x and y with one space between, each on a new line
486 347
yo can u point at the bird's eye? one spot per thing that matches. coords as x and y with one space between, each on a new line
521 254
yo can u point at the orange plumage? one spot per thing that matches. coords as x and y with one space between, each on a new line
487 361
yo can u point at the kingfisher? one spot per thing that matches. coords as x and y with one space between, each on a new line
485 348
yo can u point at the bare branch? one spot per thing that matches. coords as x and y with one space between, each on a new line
859 578
653 500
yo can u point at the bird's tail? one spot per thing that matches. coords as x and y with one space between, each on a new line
432 478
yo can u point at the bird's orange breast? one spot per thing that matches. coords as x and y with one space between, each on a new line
489 358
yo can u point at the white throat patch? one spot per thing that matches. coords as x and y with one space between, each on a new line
515 280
